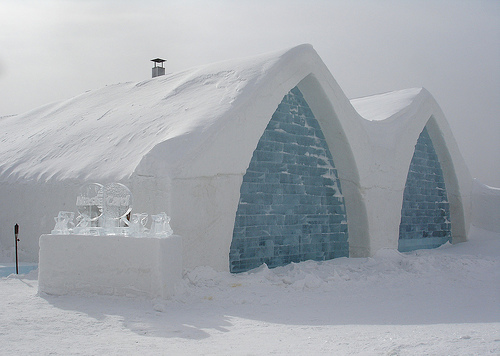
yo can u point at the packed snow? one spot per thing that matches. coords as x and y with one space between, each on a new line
436 302
382 106
104 134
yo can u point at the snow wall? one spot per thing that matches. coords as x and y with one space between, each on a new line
113 265
183 142
486 207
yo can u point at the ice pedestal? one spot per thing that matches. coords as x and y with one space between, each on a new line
112 265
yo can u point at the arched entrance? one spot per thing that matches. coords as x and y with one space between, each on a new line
425 214
291 206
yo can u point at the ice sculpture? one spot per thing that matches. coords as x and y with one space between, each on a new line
160 226
117 204
137 226
89 204
64 222
105 210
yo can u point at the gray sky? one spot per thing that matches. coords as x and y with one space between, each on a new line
53 50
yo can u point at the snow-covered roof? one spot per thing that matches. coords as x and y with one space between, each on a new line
382 106
105 134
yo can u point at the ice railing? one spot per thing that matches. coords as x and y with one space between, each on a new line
106 210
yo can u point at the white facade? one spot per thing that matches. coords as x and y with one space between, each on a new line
183 142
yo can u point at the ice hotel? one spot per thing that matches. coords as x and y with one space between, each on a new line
257 160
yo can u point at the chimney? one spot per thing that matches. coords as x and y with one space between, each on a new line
157 70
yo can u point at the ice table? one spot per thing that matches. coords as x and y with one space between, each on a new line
112 265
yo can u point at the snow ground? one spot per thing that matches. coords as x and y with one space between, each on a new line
430 302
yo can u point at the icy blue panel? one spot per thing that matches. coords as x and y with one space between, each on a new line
291 206
425 215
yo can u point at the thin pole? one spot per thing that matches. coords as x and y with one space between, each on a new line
16 233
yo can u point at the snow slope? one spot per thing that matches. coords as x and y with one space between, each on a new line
382 106
104 133
430 302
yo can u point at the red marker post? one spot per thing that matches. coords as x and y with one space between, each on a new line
16 233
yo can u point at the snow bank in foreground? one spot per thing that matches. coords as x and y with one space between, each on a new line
442 301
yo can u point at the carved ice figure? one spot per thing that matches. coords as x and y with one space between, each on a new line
160 226
85 226
64 222
83 222
117 203
89 205
137 225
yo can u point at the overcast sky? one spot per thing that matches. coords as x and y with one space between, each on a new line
53 50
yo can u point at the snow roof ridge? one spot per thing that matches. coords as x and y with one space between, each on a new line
380 107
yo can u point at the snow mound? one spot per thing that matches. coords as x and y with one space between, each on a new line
470 258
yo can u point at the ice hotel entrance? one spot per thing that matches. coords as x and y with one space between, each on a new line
291 207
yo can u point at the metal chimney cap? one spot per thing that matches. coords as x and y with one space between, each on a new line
158 61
